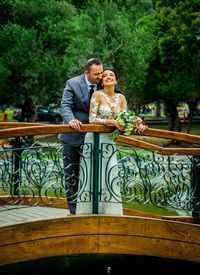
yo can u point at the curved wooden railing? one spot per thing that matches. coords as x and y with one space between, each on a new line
11 129
136 234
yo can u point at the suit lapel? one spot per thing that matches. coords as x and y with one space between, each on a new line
84 91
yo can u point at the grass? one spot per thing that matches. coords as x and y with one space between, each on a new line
157 210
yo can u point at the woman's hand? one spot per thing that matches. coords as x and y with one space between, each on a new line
115 123
140 127
137 120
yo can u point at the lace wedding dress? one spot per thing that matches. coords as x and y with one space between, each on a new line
109 197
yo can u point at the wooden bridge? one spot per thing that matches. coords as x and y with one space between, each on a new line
30 233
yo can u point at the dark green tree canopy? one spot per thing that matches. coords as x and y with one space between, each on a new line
44 42
154 46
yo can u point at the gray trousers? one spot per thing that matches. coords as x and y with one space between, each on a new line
71 162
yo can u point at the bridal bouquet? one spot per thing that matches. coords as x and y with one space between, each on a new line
125 119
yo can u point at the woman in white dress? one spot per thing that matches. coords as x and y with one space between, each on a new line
105 105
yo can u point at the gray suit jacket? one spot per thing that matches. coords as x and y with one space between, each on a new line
75 105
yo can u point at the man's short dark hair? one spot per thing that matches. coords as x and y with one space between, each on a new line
91 62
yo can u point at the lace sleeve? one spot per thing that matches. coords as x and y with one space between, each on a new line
93 115
124 107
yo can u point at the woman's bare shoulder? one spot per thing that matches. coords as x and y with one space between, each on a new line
98 93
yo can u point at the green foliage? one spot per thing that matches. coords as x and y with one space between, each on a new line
118 42
33 47
174 69
3 79
17 46
44 42
154 46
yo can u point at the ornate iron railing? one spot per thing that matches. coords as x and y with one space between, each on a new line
146 176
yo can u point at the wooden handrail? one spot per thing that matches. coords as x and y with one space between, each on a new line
9 130
6 129
8 125
163 151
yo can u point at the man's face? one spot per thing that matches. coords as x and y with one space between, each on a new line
94 75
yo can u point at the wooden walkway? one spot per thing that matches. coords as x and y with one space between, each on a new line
12 214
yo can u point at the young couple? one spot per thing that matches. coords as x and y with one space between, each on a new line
78 107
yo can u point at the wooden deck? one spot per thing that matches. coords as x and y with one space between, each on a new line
11 215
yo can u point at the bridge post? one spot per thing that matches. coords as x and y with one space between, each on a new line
16 169
96 174
196 186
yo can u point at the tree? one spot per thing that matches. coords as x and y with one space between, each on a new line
174 70
118 42
49 41
33 47
18 46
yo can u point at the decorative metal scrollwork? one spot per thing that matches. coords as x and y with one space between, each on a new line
36 174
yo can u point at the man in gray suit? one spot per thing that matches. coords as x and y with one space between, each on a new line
75 111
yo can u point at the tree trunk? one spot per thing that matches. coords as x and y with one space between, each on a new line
192 110
172 116
158 109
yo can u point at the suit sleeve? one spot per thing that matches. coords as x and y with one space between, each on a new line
67 103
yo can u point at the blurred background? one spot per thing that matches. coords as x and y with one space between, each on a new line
153 45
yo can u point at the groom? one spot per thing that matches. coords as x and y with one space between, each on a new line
74 105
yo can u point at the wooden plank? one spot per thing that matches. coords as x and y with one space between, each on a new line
42 248
100 234
146 246
60 226
25 214
151 227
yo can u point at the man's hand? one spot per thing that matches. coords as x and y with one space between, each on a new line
75 124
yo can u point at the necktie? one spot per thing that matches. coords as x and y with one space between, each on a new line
91 90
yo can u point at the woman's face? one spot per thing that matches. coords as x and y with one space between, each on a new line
109 78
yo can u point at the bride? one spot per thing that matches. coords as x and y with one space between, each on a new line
105 105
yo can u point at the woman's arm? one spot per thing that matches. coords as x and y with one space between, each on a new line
140 127
94 106
93 114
